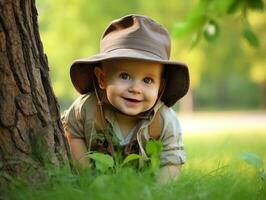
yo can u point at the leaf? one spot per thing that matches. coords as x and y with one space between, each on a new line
155 163
250 36
102 161
252 159
218 7
262 175
234 6
197 16
154 147
211 31
195 39
181 29
255 4
194 22
130 157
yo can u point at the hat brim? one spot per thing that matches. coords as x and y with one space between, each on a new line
82 72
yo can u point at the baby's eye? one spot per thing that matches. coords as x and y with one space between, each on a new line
124 76
148 80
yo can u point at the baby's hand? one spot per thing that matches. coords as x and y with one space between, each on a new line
168 173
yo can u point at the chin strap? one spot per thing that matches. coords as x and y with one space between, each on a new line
101 123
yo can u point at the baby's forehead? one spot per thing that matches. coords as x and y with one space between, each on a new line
136 66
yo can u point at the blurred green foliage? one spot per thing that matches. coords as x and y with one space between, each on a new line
202 20
227 74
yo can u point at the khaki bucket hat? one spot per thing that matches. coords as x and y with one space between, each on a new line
140 38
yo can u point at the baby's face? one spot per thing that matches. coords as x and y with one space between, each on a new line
131 86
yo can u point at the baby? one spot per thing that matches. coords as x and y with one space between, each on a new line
127 91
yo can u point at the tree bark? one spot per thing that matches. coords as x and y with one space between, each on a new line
31 133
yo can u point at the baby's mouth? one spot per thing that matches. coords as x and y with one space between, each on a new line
132 100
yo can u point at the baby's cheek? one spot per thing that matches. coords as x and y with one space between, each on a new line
152 96
110 92
153 92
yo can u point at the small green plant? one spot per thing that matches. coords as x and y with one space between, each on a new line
105 163
256 161
129 158
154 149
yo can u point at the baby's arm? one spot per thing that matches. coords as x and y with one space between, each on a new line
168 173
78 150
172 156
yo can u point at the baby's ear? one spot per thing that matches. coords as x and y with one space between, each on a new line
100 75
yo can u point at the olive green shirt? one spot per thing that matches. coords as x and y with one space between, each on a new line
79 121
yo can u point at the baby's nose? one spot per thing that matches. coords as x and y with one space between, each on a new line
134 88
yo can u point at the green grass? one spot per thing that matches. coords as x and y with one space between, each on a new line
211 149
213 170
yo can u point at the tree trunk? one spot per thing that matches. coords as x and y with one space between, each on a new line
30 127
